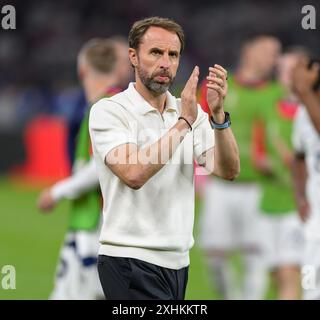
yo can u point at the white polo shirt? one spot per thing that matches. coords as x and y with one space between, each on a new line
154 223
306 140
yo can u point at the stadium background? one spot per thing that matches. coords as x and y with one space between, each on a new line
38 81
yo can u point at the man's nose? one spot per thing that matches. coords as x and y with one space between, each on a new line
165 61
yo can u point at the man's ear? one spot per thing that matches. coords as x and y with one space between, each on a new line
133 57
81 73
82 67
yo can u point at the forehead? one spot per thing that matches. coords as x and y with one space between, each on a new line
268 42
161 38
289 59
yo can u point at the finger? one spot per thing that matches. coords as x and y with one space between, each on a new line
194 76
221 68
219 81
193 79
43 205
196 71
215 87
217 72
218 67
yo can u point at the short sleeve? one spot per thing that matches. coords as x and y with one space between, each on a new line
297 140
203 134
109 127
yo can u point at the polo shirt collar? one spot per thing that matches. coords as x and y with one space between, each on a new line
143 107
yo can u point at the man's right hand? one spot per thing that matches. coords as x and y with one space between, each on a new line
189 108
264 166
303 209
45 201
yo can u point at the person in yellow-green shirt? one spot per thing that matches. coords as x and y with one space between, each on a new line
103 66
230 220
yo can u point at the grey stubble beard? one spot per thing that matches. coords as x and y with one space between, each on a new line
155 87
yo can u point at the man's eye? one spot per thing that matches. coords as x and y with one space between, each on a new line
174 55
156 53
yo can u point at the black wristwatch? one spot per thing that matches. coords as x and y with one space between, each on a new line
221 126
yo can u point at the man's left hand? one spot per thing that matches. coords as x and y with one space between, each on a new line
45 201
217 88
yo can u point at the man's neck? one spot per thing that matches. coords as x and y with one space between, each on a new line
156 101
248 75
290 96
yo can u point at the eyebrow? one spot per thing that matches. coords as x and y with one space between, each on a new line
161 50
174 51
156 49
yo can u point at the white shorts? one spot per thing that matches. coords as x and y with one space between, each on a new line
312 225
77 276
311 260
230 217
284 239
310 272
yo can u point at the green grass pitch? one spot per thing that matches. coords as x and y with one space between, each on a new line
30 241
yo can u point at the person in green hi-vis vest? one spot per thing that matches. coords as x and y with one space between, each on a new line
230 220
284 230
103 66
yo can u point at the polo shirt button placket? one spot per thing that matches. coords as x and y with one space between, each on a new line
163 120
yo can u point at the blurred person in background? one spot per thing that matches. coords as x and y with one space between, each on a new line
283 229
80 104
306 170
230 220
103 66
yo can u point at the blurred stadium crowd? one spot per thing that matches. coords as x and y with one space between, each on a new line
37 60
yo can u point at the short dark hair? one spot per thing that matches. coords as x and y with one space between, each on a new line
298 50
253 38
140 27
100 54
